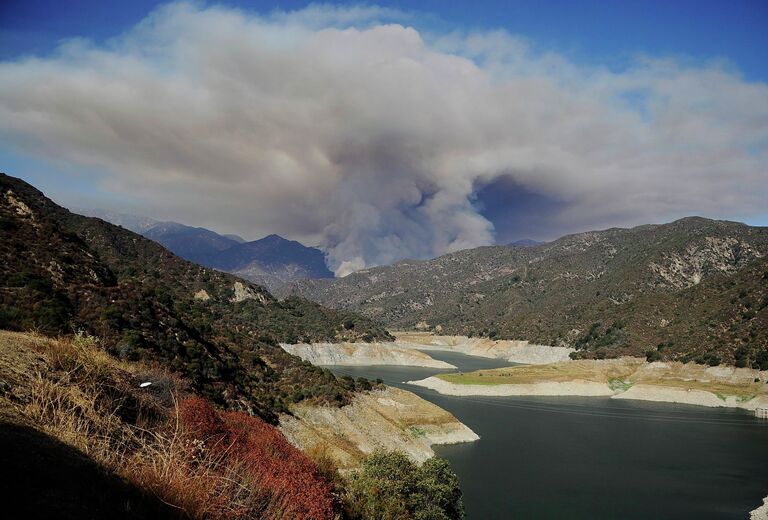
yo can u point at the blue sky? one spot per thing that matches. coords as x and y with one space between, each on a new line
694 71
589 30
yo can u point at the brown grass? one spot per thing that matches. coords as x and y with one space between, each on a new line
566 371
627 370
186 476
83 397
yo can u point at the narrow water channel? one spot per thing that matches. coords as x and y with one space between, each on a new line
596 458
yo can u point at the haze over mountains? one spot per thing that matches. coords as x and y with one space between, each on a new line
270 261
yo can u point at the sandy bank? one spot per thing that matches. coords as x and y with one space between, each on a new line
513 351
391 419
643 392
553 388
362 354
761 513
626 378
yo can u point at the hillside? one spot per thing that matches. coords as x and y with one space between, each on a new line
61 272
694 289
94 437
525 242
86 435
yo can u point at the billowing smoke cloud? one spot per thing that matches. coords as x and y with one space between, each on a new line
370 138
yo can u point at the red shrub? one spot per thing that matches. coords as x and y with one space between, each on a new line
201 421
289 481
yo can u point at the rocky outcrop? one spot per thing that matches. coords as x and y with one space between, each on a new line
18 205
362 354
390 419
243 292
714 254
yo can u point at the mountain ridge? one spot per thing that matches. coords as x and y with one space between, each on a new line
607 293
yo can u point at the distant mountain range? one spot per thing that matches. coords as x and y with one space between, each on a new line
270 261
694 289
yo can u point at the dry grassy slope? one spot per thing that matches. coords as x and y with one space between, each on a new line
697 283
60 272
64 410
87 436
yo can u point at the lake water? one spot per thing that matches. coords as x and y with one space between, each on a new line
596 458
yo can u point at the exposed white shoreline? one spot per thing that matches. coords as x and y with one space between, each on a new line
514 351
407 349
550 388
363 354
642 392
389 419
760 513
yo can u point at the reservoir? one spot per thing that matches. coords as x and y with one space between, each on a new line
595 458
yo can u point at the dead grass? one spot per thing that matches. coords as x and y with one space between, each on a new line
183 474
626 370
75 392
715 387
584 370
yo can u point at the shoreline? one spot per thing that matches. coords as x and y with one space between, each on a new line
548 388
622 378
514 351
409 350
581 388
363 354
390 419
760 512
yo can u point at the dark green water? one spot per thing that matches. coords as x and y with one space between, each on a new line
596 458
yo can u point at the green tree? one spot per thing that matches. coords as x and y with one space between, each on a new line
439 494
389 486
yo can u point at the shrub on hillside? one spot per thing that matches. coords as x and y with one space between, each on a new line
285 483
389 486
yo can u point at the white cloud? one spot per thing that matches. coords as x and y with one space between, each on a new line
370 138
